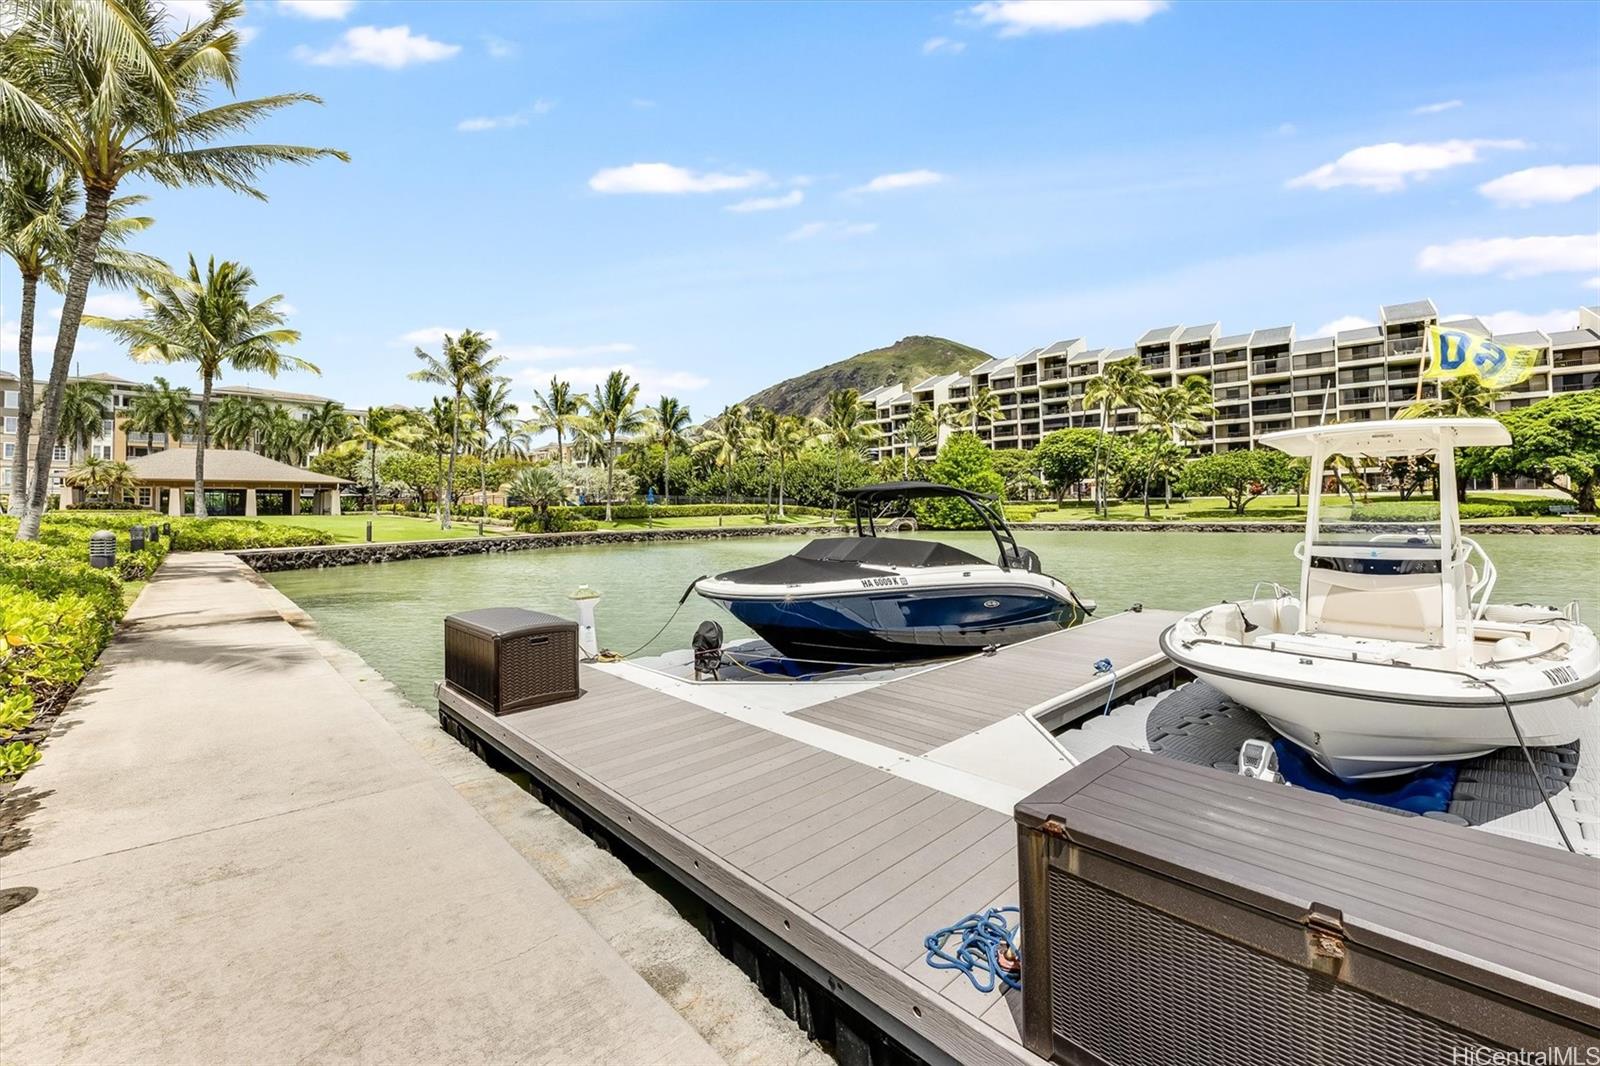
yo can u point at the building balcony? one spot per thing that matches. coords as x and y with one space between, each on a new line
1314 383
1313 362
1281 388
1362 397
1274 365
1576 382
1265 408
1362 376
1229 357
1273 425
1574 358
1360 353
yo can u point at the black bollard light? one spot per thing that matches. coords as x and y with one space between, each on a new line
136 538
102 549
369 531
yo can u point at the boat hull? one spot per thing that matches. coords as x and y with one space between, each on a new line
899 624
1367 719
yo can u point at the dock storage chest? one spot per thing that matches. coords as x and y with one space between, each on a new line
510 659
1183 915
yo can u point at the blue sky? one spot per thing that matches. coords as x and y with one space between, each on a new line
569 177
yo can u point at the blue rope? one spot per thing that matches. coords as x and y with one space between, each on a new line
977 951
1104 666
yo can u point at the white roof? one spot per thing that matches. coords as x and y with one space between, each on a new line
1399 436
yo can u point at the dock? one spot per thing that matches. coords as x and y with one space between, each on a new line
842 828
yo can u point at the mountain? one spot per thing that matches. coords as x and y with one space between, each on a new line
908 360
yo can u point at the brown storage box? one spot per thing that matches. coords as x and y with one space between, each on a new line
510 659
1184 915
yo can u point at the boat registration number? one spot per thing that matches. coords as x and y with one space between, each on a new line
1561 675
883 582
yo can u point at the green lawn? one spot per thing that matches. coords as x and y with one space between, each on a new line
352 528
711 522
1261 509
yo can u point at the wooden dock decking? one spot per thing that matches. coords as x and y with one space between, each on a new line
838 863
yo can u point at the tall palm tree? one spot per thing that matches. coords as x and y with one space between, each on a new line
209 321
1179 411
491 409
724 437
240 421
327 425
38 204
464 361
1466 397
384 427
779 438
669 427
985 407
920 431
108 92
1121 383
848 429
85 405
556 408
160 408
612 412
434 429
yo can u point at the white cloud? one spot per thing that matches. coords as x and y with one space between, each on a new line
1592 283
906 179
482 123
1339 325
1286 129
536 352
835 230
1386 167
288 308
1017 17
318 9
391 47
499 47
435 335
246 34
1523 322
666 179
1543 185
943 46
793 198
111 305
641 103
1513 257
1434 109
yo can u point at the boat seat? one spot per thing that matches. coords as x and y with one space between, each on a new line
1403 607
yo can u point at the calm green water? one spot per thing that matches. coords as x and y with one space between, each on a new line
392 614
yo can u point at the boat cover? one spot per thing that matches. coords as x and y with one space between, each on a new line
838 558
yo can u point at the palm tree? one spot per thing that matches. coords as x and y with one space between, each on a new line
985 407
539 488
37 224
85 406
1180 412
208 321
779 438
1467 397
724 436
920 430
98 476
556 408
160 408
283 437
1122 383
464 362
611 412
384 427
849 430
491 408
108 92
669 427
326 425
434 428
240 421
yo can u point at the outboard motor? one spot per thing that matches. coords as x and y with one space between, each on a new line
707 645
1024 559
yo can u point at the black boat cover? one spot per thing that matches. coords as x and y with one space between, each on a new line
841 558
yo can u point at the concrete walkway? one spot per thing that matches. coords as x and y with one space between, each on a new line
238 859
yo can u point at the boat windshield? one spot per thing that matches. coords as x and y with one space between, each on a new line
1349 517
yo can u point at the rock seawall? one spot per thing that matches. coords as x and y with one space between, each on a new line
316 557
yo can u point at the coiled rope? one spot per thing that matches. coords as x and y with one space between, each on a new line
985 949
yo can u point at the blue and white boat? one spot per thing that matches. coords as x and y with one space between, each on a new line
881 599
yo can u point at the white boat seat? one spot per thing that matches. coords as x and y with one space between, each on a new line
1402 607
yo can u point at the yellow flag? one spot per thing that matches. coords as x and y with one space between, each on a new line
1455 353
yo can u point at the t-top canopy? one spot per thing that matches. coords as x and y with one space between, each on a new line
893 490
1399 436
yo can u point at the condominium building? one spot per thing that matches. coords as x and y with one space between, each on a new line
1262 381
116 441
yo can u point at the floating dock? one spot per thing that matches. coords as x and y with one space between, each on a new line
842 829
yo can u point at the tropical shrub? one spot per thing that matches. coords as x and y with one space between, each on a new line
234 534
968 463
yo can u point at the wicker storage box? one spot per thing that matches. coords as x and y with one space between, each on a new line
510 659
1183 915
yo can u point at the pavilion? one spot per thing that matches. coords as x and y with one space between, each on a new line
238 483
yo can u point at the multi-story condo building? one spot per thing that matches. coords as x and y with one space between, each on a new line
116 441
1262 381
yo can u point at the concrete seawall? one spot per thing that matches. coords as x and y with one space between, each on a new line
266 560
